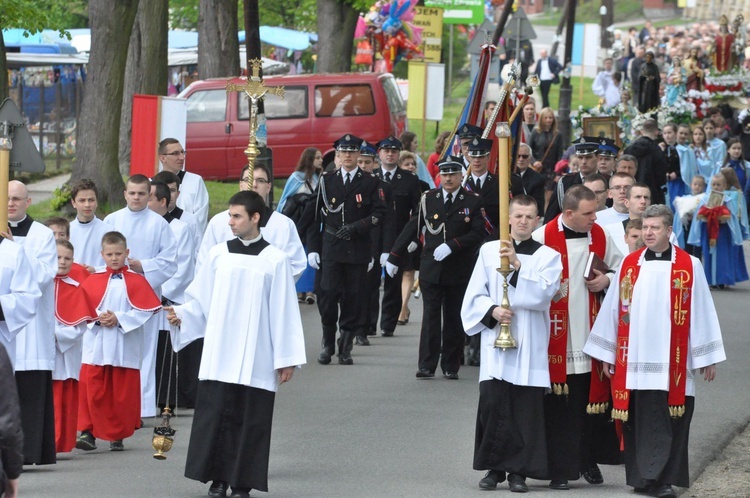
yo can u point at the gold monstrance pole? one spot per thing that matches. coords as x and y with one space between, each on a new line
502 131
255 90
6 144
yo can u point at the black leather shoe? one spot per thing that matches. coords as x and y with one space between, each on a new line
361 340
86 441
218 489
517 483
451 375
386 333
240 493
665 491
345 359
423 373
324 358
492 479
559 484
593 475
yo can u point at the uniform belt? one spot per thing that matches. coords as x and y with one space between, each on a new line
331 230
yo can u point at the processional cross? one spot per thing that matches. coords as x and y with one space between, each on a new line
255 90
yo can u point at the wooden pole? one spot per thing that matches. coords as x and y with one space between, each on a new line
503 171
5 146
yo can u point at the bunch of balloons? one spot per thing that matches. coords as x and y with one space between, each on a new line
388 25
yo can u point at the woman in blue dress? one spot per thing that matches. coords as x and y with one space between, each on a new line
716 145
705 161
303 181
735 192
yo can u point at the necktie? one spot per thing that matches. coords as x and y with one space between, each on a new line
479 185
347 181
448 202
388 177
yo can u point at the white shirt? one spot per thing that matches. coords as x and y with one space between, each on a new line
610 215
194 198
544 73
87 241
174 288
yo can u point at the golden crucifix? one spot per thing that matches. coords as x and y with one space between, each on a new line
255 90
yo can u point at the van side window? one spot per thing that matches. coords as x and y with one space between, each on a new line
294 105
207 106
343 100
393 95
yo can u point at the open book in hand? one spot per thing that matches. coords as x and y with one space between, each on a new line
594 262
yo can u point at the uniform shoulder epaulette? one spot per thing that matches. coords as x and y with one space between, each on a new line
329 173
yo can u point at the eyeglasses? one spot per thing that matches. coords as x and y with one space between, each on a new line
523 156
177 153
260 181
16 200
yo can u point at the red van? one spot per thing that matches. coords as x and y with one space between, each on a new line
316 110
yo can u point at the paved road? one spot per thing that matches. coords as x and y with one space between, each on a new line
372 429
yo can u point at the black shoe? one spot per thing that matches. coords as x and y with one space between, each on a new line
386 333
492 479
361 340
116 445
372 331
559 484
86 441
517 484
240 493
593 475
650 491
451 375
423 373
665 491
218 489
324 358
345 359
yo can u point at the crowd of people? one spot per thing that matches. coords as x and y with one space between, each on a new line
107 320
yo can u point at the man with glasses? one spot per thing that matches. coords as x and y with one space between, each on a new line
276 228
618 192
349 203
586 148
193 193
533 182
35 343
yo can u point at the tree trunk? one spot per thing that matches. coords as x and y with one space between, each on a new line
218 44
336 23
4 88
146 69
99 123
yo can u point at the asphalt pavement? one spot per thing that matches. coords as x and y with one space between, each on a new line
374 430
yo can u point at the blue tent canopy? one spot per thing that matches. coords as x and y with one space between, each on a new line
283 37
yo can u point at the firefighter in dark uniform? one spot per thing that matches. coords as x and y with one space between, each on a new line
586 149
382 237
349 203
406 194
466 134
451 219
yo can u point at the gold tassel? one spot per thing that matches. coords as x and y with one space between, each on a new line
677 411
597 408
620 415
560 389
565 389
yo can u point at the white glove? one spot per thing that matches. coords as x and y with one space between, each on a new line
370 264
412 247
383 258
313 259
441 252
391 269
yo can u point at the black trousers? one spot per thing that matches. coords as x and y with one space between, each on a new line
37 416
392 299
656 445
372 298
441 321
177 373
544 86
342 284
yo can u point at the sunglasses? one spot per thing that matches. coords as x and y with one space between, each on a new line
523 156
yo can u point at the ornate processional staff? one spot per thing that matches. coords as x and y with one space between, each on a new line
255 90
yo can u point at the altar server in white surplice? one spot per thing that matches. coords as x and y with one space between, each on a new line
19 293
245 355
276 228
512 382
153 254
86 230
35 344
656 326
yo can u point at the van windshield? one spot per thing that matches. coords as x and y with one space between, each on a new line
207 106
343 100
393 95
293 105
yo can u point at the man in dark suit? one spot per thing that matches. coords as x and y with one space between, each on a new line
406 193
533 182
652 163
586 148
349 203
453 230
548 70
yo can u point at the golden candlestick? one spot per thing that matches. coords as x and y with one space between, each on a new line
504 339
5 145
255 90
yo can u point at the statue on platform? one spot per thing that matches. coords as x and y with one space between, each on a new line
648 92
694 71
740 35
723 47
676 82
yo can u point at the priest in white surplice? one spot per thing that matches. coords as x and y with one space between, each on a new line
193 192
246 355
153 254
86 230
512 382
276 228
656 326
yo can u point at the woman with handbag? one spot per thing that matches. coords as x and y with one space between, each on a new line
297 191
546 144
